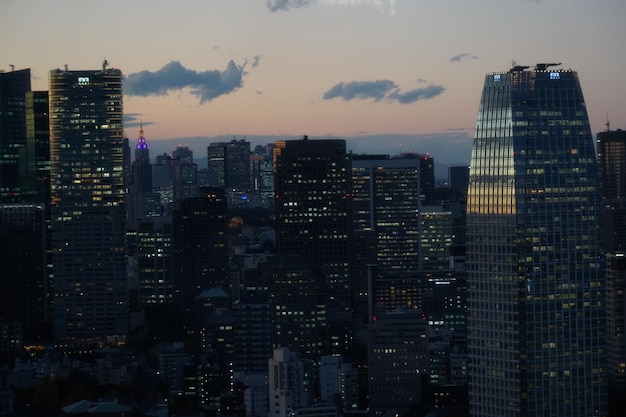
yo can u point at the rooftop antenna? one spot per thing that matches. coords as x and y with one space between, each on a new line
12 67
608 124
104 64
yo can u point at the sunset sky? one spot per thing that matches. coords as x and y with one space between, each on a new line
340 68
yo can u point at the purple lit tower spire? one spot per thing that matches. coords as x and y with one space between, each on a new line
141 168
142 154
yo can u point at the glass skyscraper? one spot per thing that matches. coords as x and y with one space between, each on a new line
534 257
88 212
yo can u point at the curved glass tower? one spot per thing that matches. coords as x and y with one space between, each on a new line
536 293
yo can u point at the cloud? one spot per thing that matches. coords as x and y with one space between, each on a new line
460 57
135 120
255 61
360 89
207 85
284 5
379 90
416 94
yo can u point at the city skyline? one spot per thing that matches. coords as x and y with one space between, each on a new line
346 69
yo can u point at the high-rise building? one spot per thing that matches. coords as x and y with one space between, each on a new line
312 212
386 201
397 346
140 182
199 249
154 253
38 144
23 273
88 213
229 164
16 173
611 147
435 238
534 252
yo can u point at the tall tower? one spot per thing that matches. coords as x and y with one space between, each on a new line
141 182
229 164
16 174
199 247
612 166
386 201
535 280
88 213
312 212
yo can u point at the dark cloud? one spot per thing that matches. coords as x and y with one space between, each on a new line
207 85
379 90
255 61
416 94
283 5
460 57
360 89
134 120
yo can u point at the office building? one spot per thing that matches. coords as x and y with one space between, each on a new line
23 273
611 147
229 164
534 253
435 238
199 246
616 319
38 145
16 173
154 256
312 212
397 359
386 201
291 383
88 213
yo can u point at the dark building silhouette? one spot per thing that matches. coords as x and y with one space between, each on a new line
612 166
386 200
38 144
254 338
312 212
88 211
397 345
199 245
534 252
140 187
154 260
23 274
16 171
611 148
229 164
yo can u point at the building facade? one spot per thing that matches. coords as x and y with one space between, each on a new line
312 212
534 257
88 213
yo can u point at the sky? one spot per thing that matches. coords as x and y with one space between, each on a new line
388 75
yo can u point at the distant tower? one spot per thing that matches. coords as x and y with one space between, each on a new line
17 165
611 146
229 164
536 325
88 213
141 183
